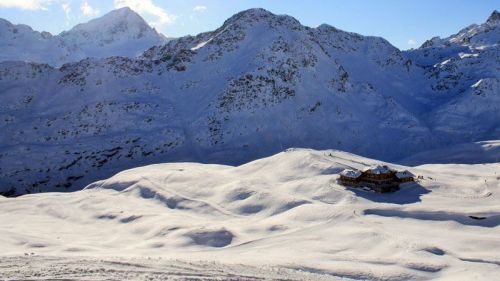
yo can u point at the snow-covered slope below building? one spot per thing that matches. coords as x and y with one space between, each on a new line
121 32
257 85
283 211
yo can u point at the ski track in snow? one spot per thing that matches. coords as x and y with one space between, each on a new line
34 267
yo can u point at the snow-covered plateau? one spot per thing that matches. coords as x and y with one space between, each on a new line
257 85
279 218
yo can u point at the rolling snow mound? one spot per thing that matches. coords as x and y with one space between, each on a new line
286 211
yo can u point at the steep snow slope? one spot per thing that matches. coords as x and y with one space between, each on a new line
464 69
119 33
257 85
283 211
467 153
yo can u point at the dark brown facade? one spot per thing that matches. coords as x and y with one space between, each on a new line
379 179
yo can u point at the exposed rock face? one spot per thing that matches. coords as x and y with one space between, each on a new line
494 18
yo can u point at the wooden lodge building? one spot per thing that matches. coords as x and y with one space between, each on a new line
379 178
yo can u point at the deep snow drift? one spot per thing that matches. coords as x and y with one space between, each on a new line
285 211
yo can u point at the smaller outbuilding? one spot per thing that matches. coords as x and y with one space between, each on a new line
349 177
405 176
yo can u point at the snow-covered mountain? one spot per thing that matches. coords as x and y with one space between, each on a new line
256 85
465 67
285 211
121 32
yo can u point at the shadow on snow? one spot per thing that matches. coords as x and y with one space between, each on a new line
409 193
487 221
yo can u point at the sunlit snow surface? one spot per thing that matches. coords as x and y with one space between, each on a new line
285 212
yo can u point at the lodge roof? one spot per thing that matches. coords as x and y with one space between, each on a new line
378 169
404 175
350 173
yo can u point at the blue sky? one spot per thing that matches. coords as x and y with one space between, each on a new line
404 23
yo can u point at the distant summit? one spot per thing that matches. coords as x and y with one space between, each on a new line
475 36
121 32
494 18
120 21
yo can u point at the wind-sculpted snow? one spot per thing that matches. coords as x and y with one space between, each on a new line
285 213
257 85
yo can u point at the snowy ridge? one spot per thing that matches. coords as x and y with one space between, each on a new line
121 32
474 36
232 215
257 85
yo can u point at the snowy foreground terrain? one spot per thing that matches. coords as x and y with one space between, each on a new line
282 217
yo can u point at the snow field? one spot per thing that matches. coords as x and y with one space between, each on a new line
285 211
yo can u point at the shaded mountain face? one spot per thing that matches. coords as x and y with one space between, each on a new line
257 85
466 67
119 33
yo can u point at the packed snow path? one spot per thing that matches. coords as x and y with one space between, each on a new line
71 268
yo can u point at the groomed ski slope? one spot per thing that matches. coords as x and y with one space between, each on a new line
285 213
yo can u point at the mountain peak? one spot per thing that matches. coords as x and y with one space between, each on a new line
119 25
125 9
121 19
494 17
121 32
256 11
124 12
259 15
